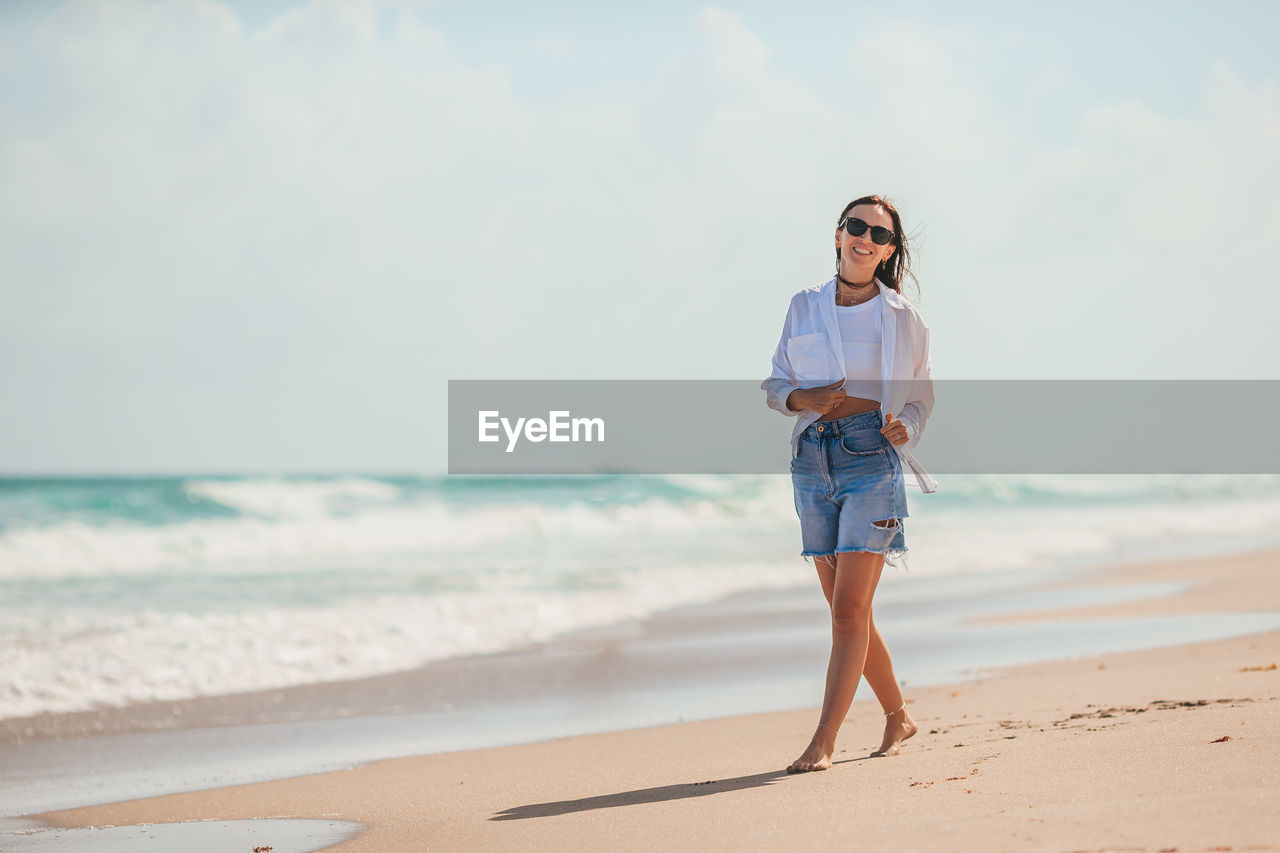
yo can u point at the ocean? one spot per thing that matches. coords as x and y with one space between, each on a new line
118 590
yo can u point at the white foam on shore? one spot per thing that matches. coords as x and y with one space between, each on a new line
307 530
79 660
296 526
420 582
964 540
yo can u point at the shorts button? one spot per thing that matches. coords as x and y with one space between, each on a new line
820 429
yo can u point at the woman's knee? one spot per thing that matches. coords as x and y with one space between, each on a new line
850 616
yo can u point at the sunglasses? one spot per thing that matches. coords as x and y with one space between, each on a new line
856 228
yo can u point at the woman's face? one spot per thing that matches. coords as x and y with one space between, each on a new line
859 256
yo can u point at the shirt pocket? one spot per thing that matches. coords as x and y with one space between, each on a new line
811 359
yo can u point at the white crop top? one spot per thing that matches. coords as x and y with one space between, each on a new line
860 334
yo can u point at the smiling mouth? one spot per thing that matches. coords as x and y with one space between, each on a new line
858 251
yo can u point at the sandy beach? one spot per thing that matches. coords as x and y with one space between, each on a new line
1164 749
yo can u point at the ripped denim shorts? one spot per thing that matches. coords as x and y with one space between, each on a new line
847 477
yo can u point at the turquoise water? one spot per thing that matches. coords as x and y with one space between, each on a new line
130 589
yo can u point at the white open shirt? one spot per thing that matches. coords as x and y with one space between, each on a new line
810 354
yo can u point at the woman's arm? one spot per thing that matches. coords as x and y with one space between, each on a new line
782 381
915 414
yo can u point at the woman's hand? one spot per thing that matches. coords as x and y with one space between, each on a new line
821 400
894 429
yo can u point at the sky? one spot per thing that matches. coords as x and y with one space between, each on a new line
260 237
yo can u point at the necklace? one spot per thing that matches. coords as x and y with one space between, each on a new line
842 280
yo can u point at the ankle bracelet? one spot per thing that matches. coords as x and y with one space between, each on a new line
821 726
891 713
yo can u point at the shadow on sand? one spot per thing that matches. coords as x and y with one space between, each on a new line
653 795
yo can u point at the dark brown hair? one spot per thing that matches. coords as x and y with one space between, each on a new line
899 263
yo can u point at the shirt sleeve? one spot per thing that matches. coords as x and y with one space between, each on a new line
782 381
915 414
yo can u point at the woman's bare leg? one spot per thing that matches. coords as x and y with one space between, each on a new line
898 725
878 671
857 574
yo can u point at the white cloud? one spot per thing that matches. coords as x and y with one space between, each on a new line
334 207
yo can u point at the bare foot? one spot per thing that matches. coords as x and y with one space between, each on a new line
898 726
818 755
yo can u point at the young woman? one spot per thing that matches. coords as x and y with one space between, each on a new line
853 368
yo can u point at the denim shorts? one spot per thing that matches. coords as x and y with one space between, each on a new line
846 476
